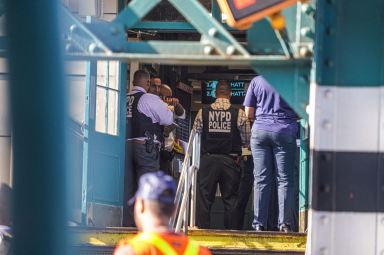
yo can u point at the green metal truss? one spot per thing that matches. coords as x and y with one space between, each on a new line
99 39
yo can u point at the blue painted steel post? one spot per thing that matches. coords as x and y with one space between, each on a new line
215 10
347 149
38 109
90 98
304 175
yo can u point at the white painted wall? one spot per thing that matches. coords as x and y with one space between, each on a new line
5 135
104 9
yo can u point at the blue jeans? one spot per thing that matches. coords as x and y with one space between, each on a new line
274 157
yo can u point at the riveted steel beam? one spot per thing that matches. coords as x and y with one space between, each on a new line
188 59
77 36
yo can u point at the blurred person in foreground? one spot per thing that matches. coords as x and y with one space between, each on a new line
153 209
5 220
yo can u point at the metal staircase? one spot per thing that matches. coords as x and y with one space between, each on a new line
186 190
220 242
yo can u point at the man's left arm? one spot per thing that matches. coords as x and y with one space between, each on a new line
160 111
179 111
244 127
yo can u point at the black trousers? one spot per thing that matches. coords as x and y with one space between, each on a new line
217 169
166 161
138 161
245 189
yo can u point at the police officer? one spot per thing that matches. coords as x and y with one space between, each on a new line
224 130
146 115
154 206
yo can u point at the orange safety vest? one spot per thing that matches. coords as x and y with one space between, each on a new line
157 244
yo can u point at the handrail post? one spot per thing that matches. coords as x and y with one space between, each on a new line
196 165
193 194
186 193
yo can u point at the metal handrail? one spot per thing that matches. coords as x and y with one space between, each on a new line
185 200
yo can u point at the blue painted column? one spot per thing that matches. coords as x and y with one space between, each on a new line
216 12
347 124
304 175
38 110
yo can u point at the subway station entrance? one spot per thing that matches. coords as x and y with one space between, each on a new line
191 49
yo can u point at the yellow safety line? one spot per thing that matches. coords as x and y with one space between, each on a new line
244 240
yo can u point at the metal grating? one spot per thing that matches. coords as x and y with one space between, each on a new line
183 131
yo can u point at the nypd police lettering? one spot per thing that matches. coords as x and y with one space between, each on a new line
130 100
219 121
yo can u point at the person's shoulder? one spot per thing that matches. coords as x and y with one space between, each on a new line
258 80
153 98
132 246
125 250
204 250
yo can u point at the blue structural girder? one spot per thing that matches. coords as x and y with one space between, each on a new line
348 38
78 36
38 109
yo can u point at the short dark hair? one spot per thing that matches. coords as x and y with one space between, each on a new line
155 76
223 88
140 74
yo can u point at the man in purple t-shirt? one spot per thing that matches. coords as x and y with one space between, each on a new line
273 145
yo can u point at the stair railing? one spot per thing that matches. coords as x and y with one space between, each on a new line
185 199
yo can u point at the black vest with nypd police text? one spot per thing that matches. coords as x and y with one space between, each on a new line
138 123
220 133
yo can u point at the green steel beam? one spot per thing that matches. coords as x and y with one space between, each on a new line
217 47
78 35
120 5
304 165
91 71
349 36
304 175
39 123
166 47
164 26
262 39
215 10
273 62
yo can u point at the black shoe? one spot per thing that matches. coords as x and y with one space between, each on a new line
285 228
259 228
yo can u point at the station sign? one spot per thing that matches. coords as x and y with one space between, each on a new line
184 87
242 13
